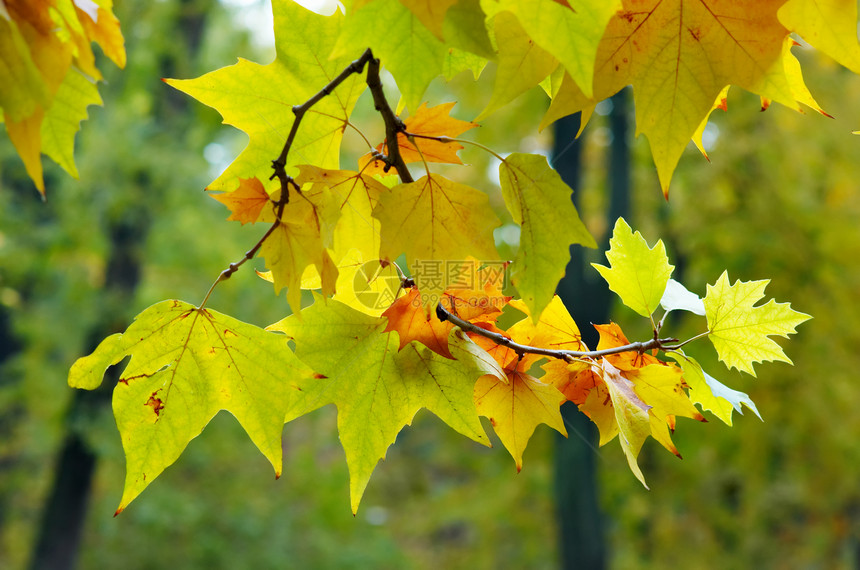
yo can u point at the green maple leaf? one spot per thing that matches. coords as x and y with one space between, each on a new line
258 98
739 330
570 33
521 63
638 273
464 28
410 51
186 365
378 389
63 119
539 201
709 392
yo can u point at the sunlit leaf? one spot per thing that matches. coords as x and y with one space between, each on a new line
186 365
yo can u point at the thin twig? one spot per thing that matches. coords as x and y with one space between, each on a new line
234 267
280 163
393 125
566 355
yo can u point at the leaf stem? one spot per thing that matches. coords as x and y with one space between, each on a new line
688 341
444 139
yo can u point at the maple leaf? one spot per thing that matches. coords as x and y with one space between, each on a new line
48 72
627 416
356 195
431 13
186 365
300 240
475 289
539 201
258 98
679 56
555 330
369 286
409 317
658 395
638 274
466 31
436 219
829 25
521 63
516 407
377 388
246 203
428 121
398 38
572 35
709 392
739 330
662 387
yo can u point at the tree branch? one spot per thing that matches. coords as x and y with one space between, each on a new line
566 355
280 163
393 125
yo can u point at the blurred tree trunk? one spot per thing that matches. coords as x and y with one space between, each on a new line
582 532
65 511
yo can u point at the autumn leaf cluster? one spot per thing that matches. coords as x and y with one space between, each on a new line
49 74
409 291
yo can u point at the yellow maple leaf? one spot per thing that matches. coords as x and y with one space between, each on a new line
435 219
300 240
516 407
740 330
829 25
45 45
679 56
431 13
629 417
356 194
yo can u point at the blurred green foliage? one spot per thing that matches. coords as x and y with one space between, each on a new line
779 201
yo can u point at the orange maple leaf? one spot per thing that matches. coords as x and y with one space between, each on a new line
654 389
427 121
409 316
246 203
611 336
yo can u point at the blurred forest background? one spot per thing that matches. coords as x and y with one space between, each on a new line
779 200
